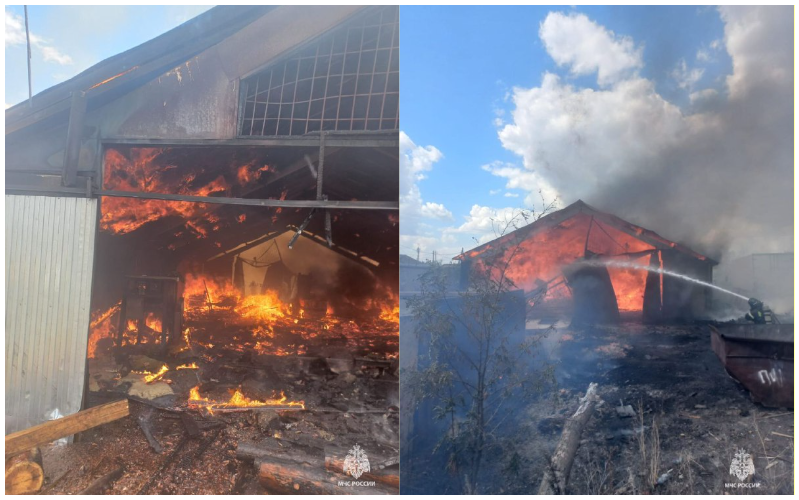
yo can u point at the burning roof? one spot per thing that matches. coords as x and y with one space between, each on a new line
549 245
560 217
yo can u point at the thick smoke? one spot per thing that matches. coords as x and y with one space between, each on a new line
716 175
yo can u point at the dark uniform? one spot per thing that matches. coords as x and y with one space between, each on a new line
758 313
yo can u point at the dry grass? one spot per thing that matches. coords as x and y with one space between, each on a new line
648 448
776 476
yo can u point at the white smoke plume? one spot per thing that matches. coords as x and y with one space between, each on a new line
716 175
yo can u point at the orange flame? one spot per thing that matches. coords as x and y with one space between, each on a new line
101 327
239 400
153 323
143 173
155 376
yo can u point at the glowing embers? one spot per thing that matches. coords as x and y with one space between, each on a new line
239 401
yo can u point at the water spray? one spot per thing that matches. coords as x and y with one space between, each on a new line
633 265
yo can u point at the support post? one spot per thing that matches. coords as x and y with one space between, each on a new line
77 112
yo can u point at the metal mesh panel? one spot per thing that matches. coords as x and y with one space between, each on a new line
346 80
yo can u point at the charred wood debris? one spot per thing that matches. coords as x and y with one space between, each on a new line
170 444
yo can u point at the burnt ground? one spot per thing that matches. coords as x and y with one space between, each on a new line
695 416
344 408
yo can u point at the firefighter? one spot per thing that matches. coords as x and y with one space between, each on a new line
758 313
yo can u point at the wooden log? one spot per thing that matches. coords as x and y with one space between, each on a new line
276 449
101 484
286 477
66 426
556 476
388 475
24 473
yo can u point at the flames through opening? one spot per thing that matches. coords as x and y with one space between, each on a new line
195 285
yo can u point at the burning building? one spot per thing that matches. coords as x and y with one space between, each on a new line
594 266
210 217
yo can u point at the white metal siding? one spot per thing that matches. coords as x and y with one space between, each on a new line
49 259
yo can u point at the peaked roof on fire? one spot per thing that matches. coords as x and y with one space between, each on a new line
580 207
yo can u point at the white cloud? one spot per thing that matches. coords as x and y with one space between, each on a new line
484 224
15 35
435 211
511 195
415 161
686 77
526 180
574 40
51 54
628 150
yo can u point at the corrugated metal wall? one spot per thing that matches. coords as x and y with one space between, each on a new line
49 259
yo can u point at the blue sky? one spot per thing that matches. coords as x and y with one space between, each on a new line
69 39
635 86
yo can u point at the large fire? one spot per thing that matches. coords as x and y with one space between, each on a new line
217 314
147 170
542 256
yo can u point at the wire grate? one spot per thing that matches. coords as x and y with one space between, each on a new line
346 80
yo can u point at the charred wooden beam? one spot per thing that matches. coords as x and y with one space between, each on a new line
252 202
240 409
101 484
146 425
66 426
191 426
278 449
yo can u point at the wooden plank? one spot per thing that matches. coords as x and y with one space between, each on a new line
63 427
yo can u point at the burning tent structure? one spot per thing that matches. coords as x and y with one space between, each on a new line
593 266
209 217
